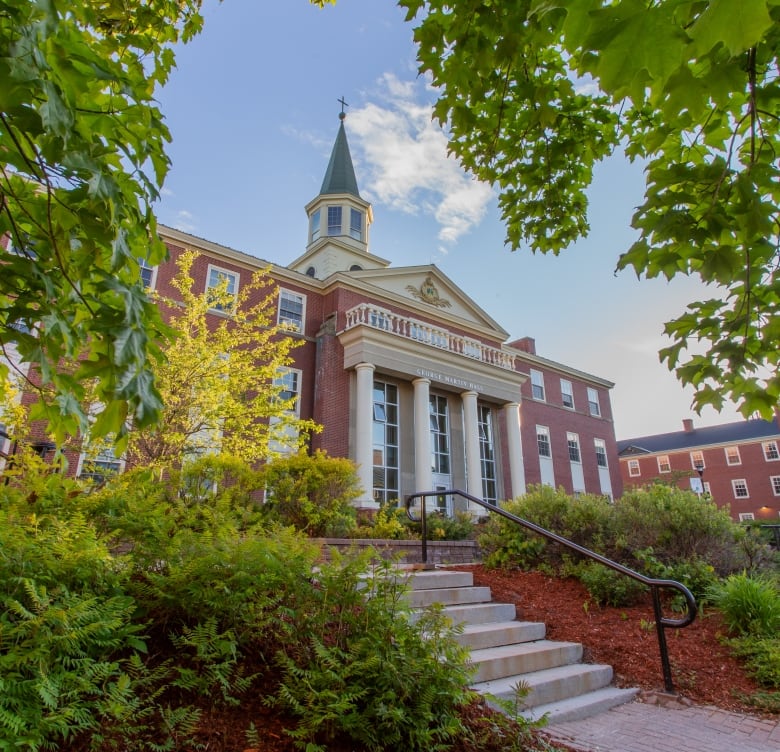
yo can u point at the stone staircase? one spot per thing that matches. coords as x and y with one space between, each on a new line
507 652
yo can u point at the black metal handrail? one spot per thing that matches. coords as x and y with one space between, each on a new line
661 621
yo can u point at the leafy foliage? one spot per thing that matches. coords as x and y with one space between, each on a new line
370 671
535 93
218 378
313 493
83 158
750 605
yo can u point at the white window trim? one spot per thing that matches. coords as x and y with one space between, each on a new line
282 291
537 379
593 399
634 465
775 487
567 393
746 516
764 446
574 439
743 482
668 463
296 411
545 430
694 466
601 444
143 266
228 273
728 459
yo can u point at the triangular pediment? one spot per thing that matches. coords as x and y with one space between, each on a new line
430 293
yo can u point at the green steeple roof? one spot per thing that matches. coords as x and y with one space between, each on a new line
340 175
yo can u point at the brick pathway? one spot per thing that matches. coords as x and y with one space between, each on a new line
642 727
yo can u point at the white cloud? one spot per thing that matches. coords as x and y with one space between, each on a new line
184 221
404 164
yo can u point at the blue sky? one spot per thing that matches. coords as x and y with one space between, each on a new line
253 111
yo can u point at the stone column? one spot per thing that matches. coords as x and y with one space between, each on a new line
471 429
515 446
423 473
364 420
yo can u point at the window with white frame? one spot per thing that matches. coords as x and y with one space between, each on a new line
98 465
334 220
706 488
385 442
746 516
148 273
697 460
740 488
292 309
664 466
356 224
222 286
775 481
633 468
594 407
439 417
732 455
770 451
284 433
537 385
567 394
314 226
543 441
487 455
573 442
601 452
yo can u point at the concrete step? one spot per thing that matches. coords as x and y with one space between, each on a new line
481 613
449 596
582 706
549 685
440 578
523 658
508 654
492 634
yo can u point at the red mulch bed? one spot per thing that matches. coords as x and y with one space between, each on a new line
702 669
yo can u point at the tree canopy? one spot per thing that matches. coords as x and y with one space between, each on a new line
81 162
534 93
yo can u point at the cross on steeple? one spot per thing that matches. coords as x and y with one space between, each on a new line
342 114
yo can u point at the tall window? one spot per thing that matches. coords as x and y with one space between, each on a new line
385 442
440 435
664 466
732 455
601 452
697 460
573 442
284 435
314 226
356 224
775 481
334 220
593 402
217 278
739 486
100 465
633 468
487 457
291 309
567 394
537 385
543 441
770 451
148 273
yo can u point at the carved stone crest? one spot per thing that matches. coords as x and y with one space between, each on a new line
428 293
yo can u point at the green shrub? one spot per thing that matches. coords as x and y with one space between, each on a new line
677 525
584 520
313 493
608 587
457 527
390 522
750 605
762 658
364 669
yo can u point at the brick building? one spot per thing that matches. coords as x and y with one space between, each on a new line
738 464
408 376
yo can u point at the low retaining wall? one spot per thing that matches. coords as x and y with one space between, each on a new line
409 551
